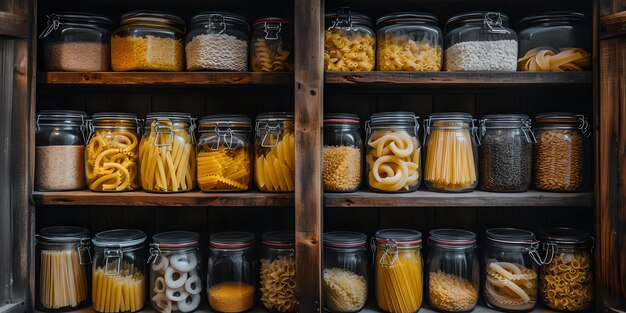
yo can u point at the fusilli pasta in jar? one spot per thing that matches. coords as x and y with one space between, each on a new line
272 45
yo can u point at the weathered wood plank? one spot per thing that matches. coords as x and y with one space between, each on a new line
164 78
13 25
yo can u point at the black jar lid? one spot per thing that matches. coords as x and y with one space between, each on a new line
123 238
114 115
399 235
450 116
357 19
474 17
62 117
152 16
227 17
279 239
275 116
210 122
510 235
175 117
341 119
62 234
452 239
518 119
410 18
559 117
176 239
260 23
344 239
232 240
81 18
383 119
566 237
548 17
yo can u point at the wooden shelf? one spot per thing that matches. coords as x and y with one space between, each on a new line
480 308
148 309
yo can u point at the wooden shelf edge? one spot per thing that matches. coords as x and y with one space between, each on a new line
164 78
13 25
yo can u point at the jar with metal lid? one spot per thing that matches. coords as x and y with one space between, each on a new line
60 150
217 41
560 152
480 41
77 42
346 271
272 41
409 41
393 152
148 41
566 276
554 42
224 153
112 155
231 273
278 284
506 149
451 143
342 153
453 271
274 152
175 283
63 260
167 153
349 42
119 271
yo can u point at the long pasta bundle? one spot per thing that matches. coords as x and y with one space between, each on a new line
450 163
112 160
275 166
63 279
118 293
399 286
224 169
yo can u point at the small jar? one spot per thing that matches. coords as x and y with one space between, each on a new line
148 41
77 42
506 149
278 272
112 155
218 41
63 260
119 271
480 41
231 272
274 152
224 151
167 153
566 276
175 283
393 152
451 143
272 41
346 268
60 150
349 42
343 154
409 41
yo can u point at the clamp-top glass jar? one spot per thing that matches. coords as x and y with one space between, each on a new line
349 42
342 155
272 40
274 152
278 272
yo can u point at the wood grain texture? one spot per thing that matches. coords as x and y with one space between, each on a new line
613 25
13 25
164 78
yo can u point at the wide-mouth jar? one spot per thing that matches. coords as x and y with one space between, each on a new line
274 152
278 284
349 42
272 45
342 153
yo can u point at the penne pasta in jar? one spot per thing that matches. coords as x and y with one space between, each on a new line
349 42
274 152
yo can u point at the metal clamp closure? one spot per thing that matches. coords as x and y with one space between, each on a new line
227 137
528 132
161 128
584 126
217 24
83 124
155 251
391 249
53 24
275 128
342 19
84 251
493 20
550 249
533 251
272 30
113 252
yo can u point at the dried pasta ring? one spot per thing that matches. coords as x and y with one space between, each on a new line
190 303
162 302
193 285
159 285
160 264
176 295
174 283
184 262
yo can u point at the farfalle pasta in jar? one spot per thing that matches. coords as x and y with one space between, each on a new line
349 42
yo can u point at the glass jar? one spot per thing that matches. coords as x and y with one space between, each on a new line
223 153
77 42
119 271
506 149
480 41
349 42
278 272
560 152
60 150
342 155
113 152
554 41
217 41
453 273
393 152
175 283
148 41
272 39
566 276
274 152
167 153
409 41
63 260
231 272
346 269
451 162
510 280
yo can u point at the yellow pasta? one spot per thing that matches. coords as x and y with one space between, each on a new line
399 283
510 286
451 293
275 166
112 156
118 293
566 282
224 170
278 284
545 59
348 51
271 56
394 160
399 53
344 291
63 279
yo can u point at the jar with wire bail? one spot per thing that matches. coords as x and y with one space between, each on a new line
342 153
175 284
278 272
274 152
272 45
349 42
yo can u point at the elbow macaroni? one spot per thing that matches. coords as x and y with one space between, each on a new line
399 53
345 51
566 282
112 157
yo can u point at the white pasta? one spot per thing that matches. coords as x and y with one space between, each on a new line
217 52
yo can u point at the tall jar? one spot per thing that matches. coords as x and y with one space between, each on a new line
77 42
346 269
63 260
272 41
112 155
60 150
224 153
398 268
506 149
409 41
342 153
278 282
566 276
217 41
175 283
167 153
274 152
451 143
148 41
393 152
119 271
480 41
231 272
453 273
349 42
